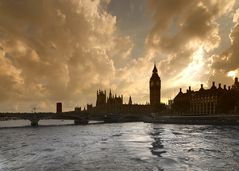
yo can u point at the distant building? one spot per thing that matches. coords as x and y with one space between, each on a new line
170 104
130 101
114 99
59 107
101 98
211 101
235 86
89 106
114 103
77 109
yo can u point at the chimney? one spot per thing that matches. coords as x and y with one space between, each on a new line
213 83
225 87
180 90
219 85
229 87
236 80
201 89
189 88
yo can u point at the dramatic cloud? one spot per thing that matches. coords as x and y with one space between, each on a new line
57 50
64 50
229 59
183 35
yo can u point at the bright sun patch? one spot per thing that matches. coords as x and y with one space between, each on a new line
194 69
232 73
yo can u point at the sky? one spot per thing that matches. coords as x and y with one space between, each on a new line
65 50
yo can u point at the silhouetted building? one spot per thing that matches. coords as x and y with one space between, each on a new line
114 99
59 107
89 106
211 101
130 101
170 104
77 109
113 104
236 84
155 90
101 98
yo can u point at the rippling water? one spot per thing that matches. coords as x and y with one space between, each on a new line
127 146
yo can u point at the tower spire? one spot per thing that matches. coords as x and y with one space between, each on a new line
110 94
130 100
155 70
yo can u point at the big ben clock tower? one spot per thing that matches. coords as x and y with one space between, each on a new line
155 88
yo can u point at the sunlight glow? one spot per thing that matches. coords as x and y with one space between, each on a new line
194 69
232 74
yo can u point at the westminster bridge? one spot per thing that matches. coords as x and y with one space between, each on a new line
81 118
34 118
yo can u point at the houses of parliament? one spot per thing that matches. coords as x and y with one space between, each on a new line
114 103
212 101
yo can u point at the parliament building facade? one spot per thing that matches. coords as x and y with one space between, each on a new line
215 100
212 101
112 103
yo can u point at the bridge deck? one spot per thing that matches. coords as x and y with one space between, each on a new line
50 115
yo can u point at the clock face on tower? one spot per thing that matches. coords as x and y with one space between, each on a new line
153 83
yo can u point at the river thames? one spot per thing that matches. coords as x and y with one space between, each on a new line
121 146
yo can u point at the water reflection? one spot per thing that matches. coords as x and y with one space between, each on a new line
127 146
157 148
